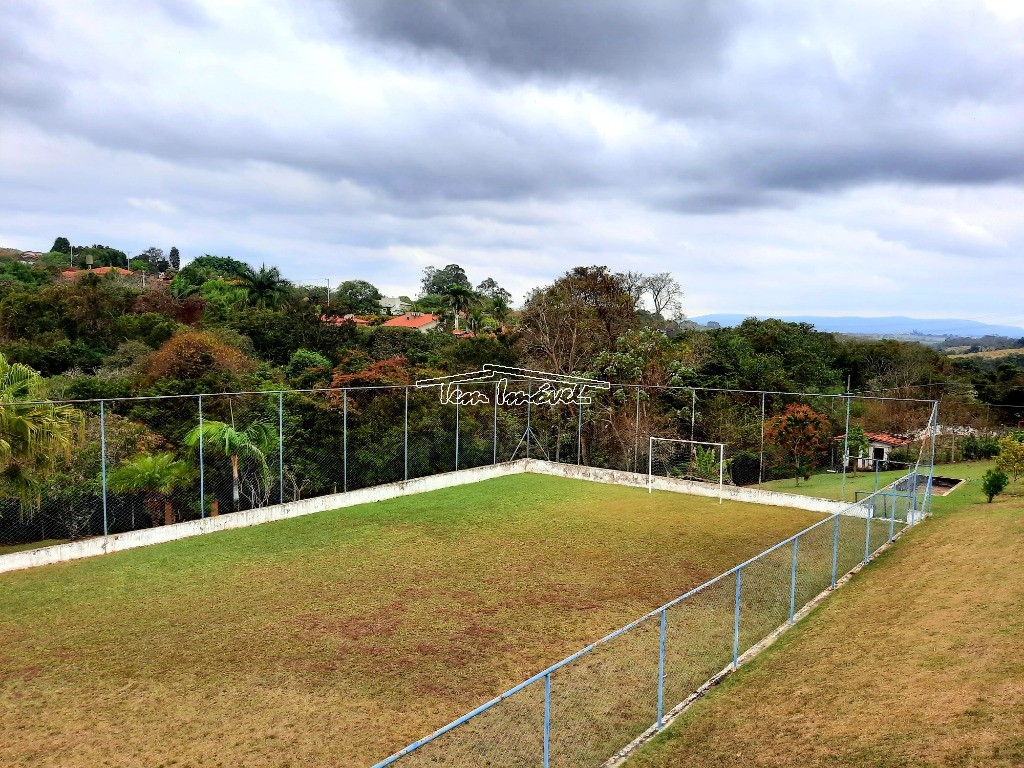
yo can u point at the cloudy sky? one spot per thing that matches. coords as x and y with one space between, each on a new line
778 157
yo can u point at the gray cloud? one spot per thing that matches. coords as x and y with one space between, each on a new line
568 38
373 138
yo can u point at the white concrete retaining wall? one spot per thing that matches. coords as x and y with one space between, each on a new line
730 492
102 545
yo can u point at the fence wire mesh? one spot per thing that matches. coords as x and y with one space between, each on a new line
586 709
154 461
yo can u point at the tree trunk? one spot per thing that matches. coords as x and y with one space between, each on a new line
234 480
168 512
214 508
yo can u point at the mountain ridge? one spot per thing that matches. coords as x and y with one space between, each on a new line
893 325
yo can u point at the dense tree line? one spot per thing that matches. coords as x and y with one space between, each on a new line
218 324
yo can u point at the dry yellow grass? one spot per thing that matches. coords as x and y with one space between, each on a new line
917 662
991 354
337 638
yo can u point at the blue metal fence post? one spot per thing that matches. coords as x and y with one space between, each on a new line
760 461
835 552
636 434
103 465
870 513
931 464
406 442
344 440
792 583
529 411
202 476
912 492
456 434
846 449
547 720
280 447
661 668
579 435
736 622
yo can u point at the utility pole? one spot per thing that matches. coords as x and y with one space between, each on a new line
328 293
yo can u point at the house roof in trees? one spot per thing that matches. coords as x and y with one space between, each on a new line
884 438
336 320
412 320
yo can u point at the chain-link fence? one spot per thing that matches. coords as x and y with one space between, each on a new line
142 462
582 711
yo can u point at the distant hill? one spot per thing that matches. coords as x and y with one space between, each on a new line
882 326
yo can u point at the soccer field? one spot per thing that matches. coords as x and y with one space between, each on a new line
337 638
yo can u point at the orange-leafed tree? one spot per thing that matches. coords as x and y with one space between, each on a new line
802 435
194 355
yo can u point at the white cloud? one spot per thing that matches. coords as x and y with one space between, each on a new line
834 162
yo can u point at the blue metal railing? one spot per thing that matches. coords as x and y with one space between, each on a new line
861 509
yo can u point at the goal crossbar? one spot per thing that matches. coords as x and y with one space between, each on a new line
721 460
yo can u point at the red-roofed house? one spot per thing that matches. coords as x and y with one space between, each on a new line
880 445
419 321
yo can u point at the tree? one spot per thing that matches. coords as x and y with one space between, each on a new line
61 245
154 258
174 258
438 281
568 323
634 283
357 297
490 289
253 442
155 475
265 288
196 355
460 299
207 267
1011 457
307 368
802 434
994 482
857 445
34 434
666 294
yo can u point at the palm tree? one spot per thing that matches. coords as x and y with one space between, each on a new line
156 475
265 288
35 434
254 441
460 299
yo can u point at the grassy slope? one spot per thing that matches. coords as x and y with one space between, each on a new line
990 354
336 638
918 661
830 486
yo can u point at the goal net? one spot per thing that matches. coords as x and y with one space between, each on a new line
686 460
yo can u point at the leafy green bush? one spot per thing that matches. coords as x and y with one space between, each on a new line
994 482
980 448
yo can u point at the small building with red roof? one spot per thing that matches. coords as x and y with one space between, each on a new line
880 445
420 321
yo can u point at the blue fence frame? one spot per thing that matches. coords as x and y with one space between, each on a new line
887 511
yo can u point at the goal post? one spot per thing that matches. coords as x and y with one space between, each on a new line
692 460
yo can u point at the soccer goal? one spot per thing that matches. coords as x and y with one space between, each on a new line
686 460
